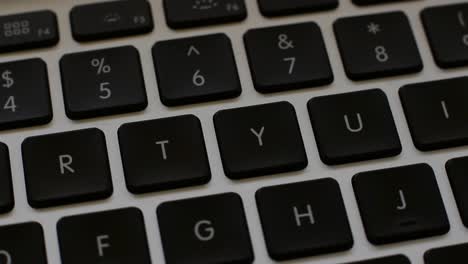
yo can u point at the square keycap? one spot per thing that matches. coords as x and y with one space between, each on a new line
354 127
163 154
196 69
287 57
103 82
378 45
447 31
400 204
67 167
308 218
210 229
24 94
260 140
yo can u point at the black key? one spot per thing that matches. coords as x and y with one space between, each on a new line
450 254
288 57
111 19
185 14
103 82
447 30
375 46
24 94
457 169
260 140
116 236
353 127
210 229
22 244
398 259
399 204
273 8
163 154
66 168
197 69
6 190
308 218
373 2
437 113
28 30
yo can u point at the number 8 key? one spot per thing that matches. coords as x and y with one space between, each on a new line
376 46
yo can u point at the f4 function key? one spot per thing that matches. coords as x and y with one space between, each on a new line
28 30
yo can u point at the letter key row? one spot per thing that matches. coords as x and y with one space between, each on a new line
309 218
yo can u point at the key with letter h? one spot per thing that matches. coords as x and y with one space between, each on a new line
308 218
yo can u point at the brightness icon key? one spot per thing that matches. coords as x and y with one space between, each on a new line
194 13
111 19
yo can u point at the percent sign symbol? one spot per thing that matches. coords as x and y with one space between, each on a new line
101 66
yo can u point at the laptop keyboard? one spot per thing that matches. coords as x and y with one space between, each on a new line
250 132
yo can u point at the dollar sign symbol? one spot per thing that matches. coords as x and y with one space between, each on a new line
6 76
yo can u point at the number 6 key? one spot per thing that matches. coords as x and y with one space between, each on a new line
376 46
103 82
197 69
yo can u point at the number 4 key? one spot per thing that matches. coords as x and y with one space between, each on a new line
20 105
376 46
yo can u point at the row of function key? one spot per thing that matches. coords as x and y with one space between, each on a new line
124 18
371 46
309 218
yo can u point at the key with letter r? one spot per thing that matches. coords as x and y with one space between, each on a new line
66 168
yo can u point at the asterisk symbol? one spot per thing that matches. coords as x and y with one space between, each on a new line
374 28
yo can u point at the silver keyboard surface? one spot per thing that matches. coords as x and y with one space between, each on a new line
219 183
